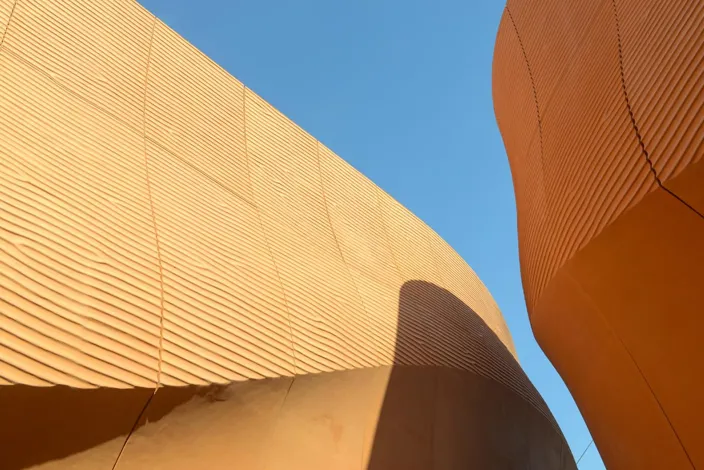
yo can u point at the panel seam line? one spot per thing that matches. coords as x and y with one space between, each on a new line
153 211
659 183
158 254
7 26
386 235
334 236
72 92
635 364
631 115
533 86
266 238
542 270
552 421
201 172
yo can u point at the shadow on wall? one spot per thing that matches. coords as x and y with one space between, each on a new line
439 410
42 424
454 416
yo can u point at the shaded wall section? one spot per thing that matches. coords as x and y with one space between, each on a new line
175 247
404 416
600 108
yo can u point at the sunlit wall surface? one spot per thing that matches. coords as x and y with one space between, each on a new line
189 280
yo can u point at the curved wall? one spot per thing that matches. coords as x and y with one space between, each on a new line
600 106
189 280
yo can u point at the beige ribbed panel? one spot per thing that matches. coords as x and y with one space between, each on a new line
409 241
663 64
413 255
78 269
460 279
477 354
160 224
195 110
97 50
327 316
411 245
123 159
6 7
356 218
225 316
426 334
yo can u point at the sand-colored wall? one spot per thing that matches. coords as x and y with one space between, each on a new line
600 108
164 228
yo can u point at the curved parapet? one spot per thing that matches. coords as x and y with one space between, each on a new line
189 280
600 108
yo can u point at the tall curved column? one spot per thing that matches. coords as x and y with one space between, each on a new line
600 108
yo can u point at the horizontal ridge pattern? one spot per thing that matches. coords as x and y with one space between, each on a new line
97 50
663 61
587 167
188 99
609 204
137 172
79 276
6 8
518 117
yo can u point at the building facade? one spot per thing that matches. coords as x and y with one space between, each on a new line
601 108
189 280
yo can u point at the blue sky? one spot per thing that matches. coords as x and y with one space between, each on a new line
402 91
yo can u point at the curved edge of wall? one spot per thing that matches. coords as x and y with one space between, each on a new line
188 277
595 109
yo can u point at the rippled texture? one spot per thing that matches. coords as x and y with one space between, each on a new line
600 108
166 233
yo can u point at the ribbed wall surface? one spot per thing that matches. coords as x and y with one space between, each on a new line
79 270
586 167
292 261
600 108
664 69
6 7
162 225
195 111
663 63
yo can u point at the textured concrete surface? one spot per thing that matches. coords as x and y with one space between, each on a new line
600 108
190 280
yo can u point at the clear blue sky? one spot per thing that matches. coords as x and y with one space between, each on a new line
401 89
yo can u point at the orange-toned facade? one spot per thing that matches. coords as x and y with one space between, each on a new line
601 108
189 280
